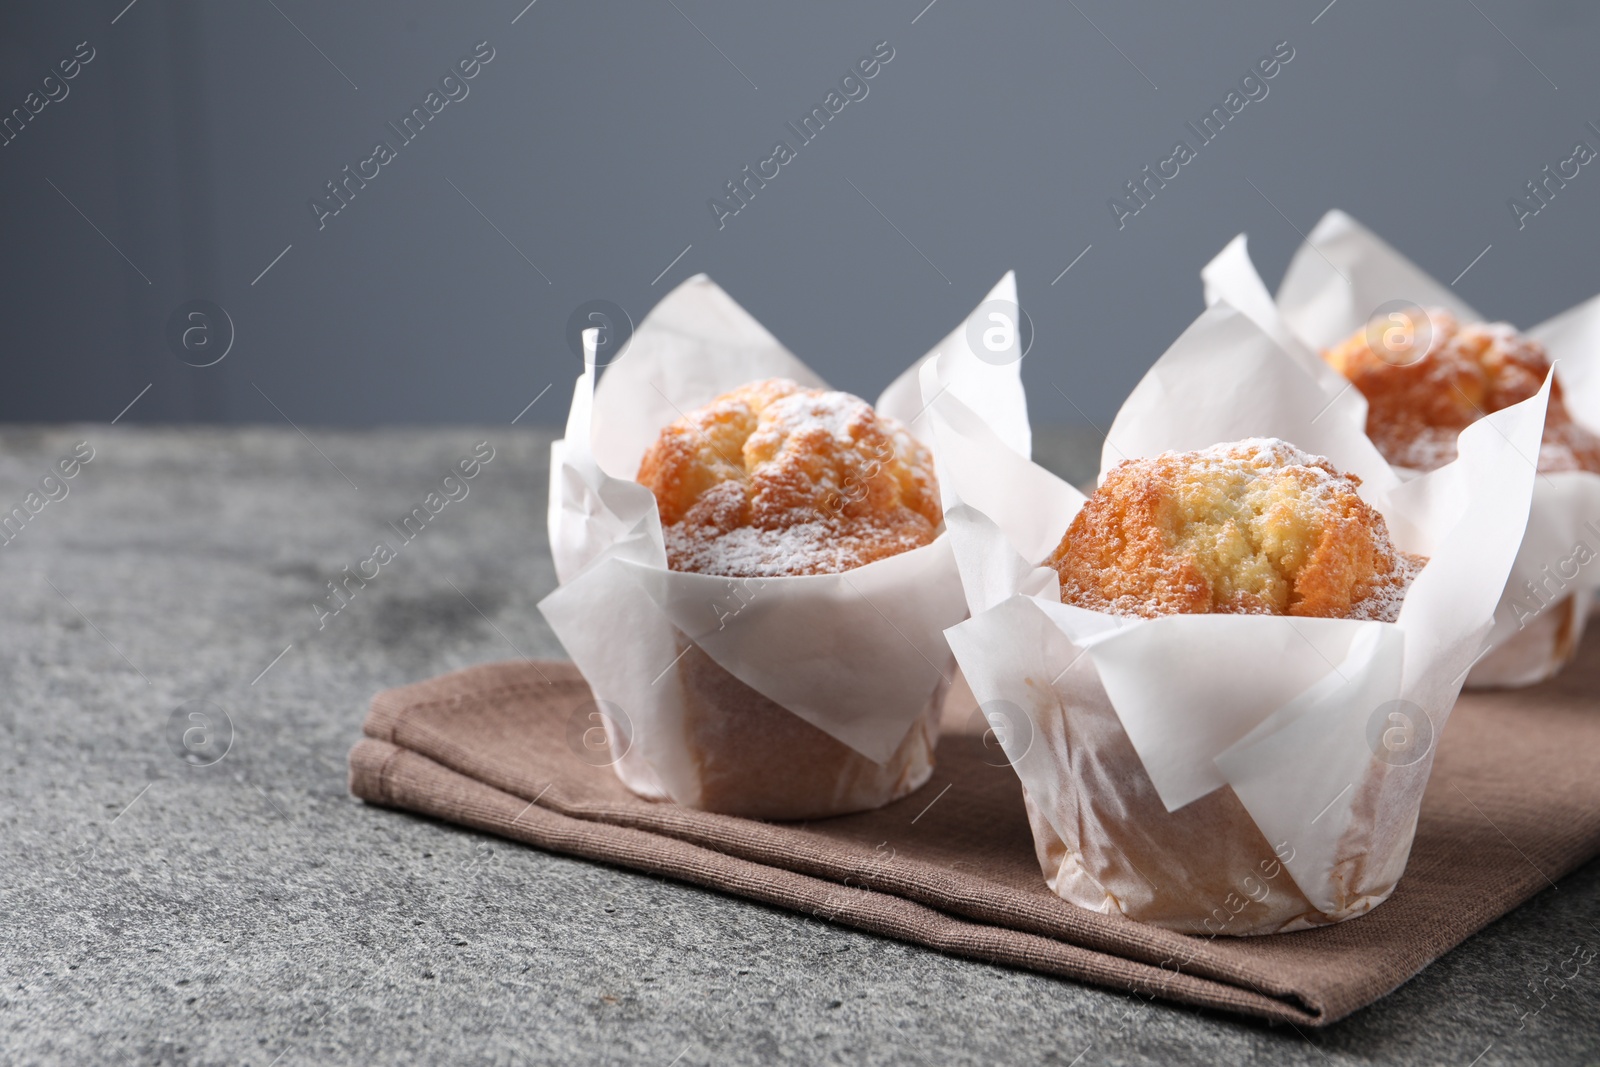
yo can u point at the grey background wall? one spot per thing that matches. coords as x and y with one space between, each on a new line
180 163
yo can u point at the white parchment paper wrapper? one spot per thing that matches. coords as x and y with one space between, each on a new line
859 655
1227 773
1334 284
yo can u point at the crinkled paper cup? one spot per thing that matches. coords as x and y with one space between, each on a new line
793 697
1343 276
1226 774
753 757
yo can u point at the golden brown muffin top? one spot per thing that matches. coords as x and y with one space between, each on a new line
1253 527
774 479
1427 377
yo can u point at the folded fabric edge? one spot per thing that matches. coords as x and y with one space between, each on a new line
388 775
388 706
393 719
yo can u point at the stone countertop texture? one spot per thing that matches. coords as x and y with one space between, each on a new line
251 912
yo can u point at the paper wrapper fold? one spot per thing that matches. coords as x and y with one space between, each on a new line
1337 280
780 698
1227 774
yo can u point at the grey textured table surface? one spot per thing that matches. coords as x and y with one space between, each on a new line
251 912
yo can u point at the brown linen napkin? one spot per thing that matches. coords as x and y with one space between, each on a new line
1514 803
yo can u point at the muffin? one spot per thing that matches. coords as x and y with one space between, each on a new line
1253 527
1426 378
1429 377
773 481
1222 696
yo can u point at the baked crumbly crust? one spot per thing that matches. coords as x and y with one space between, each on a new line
1418 402
774 479
1252 527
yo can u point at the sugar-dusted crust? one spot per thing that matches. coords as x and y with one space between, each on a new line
774 479
1419 401
1252 527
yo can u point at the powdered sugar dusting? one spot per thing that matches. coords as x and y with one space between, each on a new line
1383 603
1431 448
1273 453
1260 453
833 412
805 548
1211 560
802 481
